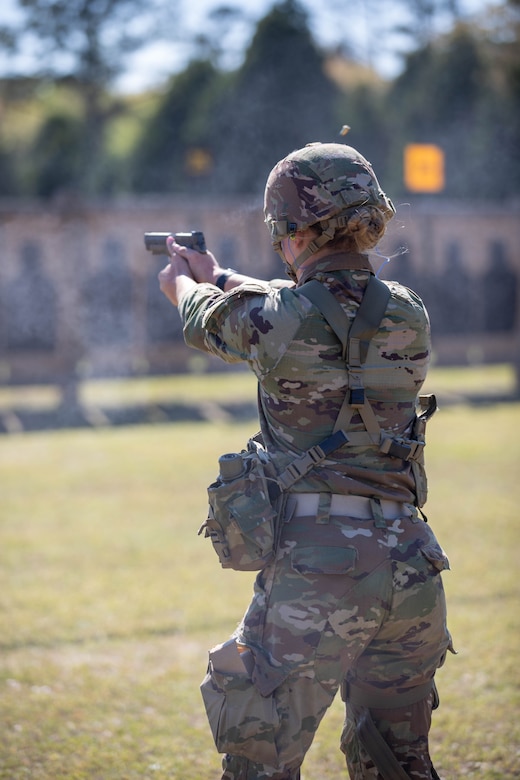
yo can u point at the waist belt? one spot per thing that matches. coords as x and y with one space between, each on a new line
306 505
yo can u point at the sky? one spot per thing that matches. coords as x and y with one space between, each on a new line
329 28
152 65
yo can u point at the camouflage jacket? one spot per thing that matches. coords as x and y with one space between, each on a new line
302 378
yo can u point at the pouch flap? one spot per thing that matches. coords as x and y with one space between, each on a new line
323 560
250 511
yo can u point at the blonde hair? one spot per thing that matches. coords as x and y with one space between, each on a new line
365 227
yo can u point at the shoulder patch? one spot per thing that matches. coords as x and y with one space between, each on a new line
231 300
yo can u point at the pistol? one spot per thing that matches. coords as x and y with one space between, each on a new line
156 242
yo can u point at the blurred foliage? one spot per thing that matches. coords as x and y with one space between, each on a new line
457 94
182 121
216 131
280 100
89 40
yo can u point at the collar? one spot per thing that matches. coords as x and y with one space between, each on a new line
341 261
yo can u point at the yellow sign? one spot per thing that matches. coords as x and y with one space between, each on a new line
423 168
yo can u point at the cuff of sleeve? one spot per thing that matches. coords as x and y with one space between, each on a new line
223 277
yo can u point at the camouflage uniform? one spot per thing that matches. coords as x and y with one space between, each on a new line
351 600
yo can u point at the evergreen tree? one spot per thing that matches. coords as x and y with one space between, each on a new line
86 40
363 109
454 94
175 153
281 100
55 159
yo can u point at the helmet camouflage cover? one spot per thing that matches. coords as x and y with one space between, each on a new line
320 183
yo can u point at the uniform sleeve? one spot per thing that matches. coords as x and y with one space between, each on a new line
254 323
192 308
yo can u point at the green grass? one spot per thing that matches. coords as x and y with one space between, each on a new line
109 599
238 385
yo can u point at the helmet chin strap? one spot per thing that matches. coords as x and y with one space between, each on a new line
311 248
289 270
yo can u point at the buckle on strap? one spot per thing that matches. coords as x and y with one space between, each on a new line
428 406
406 449
314 455
357 397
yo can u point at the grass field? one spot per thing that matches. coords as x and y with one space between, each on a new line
110 600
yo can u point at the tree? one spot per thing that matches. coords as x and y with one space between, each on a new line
422 16
363 109
280 100
215 40
500 136
88 40
456 93
55 158
180 133
224 131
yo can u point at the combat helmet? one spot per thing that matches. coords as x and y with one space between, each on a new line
319 185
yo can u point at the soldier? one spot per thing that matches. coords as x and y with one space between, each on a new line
353 600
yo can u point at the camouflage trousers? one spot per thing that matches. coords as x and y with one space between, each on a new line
347 602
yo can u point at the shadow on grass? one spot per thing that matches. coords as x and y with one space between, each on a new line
18 420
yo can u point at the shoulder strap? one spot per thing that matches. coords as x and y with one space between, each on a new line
329 306
355 339
366 322
368 317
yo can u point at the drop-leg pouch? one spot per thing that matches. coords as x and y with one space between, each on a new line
243 722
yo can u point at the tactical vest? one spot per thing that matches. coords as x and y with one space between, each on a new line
355 338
